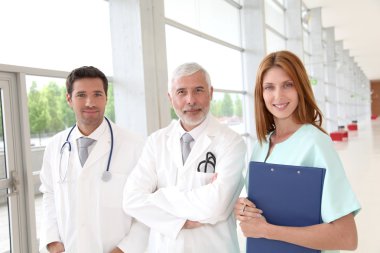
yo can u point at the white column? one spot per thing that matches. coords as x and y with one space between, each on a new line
253 34
317 59
331 112
139 64
293 25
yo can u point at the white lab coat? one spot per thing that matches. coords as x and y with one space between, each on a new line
84 212
163 193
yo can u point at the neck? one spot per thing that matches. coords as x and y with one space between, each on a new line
284 131
86 130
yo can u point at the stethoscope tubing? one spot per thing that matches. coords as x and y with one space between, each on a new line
67 142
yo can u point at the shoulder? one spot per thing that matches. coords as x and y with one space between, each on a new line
224 138
59 137
57 142
322 147
166 131
314 135
126 135
220 130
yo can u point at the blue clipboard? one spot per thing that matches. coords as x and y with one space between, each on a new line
289 196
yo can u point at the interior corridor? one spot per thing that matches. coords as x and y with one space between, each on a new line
360 155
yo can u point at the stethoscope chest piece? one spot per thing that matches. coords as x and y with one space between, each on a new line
106 176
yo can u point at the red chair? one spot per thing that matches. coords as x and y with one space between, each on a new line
337 136
352 127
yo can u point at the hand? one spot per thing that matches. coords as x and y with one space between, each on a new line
246 210
255 227
117 250
55 247
191 224
214 177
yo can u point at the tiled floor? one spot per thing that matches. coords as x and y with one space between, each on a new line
361 158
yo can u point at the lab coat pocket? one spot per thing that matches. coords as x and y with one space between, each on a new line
111 192
202 178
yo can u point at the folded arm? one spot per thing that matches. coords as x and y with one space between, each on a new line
138 191
212 202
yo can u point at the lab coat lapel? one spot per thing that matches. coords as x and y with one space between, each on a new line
197 151
202 145
174 147
101 149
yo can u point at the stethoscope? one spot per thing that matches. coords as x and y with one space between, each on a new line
210 160
106 174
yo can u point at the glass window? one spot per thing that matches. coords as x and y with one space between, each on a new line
305 18
223 64
38 211
5 239
59 35
307 62
274 42
4 210
214 17
3 167
49 112
275 16
5 207
306 41
228 109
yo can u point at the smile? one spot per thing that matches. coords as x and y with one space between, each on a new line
194 110
281 106
90 111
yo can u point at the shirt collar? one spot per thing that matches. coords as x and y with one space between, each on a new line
95 135
195 132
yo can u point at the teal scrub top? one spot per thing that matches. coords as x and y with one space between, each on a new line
309 146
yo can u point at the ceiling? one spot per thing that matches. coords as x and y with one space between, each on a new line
356 23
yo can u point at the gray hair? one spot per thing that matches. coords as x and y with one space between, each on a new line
188 69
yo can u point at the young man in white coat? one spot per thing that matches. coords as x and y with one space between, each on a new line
188 202
82 199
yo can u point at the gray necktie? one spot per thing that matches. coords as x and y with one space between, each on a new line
186 139
83 144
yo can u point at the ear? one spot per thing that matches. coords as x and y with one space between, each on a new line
211 92
170 98
68 100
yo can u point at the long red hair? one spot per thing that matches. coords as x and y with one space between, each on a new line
307 111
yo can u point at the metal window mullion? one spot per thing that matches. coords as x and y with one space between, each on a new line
282 7
306 30
270 28
242 92
234 4
307 53
5 183
33 71
201 34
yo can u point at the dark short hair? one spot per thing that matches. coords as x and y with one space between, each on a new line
85 72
